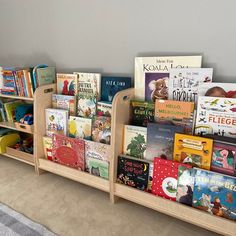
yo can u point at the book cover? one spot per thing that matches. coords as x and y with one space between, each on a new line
68 151
46 75
216 115
10 108
104 109
215 194
160 140
112 85
101 129
65 102
184 83
185 185
67 84
98 168
193 150
142 112
80 127
165 175
47 145
86 105
150 177
149 86
56 121
135 141
133 172
33 72
176 112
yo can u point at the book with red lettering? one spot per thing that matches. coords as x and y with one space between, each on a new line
68 151
165 175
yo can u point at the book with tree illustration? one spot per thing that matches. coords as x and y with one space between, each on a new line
104 108
135 141
193 150
67 84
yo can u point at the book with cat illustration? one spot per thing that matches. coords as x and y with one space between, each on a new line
68 151
67 84
98 167
133 172
215 193
104 109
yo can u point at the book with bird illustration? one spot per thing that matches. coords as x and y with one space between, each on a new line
67 84
104 109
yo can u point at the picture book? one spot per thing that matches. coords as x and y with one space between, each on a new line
65 102
216 116
215 194
142 112
165 175
112 85
150 177
10 109
185 185
104 109
133 172
160 140
46 75
135 141
80 127
101 129
193 150
67 84
227 90
68 151
175 112
98 168
184 82
34 74
152 73
8 83
47 145
86 105
56 121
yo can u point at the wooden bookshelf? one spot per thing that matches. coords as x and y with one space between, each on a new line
11 125
16 97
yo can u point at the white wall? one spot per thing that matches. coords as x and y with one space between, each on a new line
106 35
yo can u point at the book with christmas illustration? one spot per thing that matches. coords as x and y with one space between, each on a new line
67 84
104 108
47 145
193 150
152 73
160 140
133 172
216 115
68 151
215 194
98 167
135 141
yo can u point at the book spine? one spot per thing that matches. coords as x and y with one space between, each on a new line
30 84
14 80
24 85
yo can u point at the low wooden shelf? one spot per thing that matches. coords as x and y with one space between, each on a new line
16 97
13 126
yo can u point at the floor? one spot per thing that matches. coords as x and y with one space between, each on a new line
69 208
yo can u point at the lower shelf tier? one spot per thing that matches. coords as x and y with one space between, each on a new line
20 127
180 211
24 159
70 173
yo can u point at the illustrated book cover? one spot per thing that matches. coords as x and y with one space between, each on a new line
46 75
133 172
47 145
216 115
67 84
215 194
160 140
104 109
10 108
152 73
98 167
135 141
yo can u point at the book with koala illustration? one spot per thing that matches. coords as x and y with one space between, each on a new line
67 84
184 83
152 73
98 167
193 150
215 194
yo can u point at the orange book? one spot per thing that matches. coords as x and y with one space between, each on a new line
28 83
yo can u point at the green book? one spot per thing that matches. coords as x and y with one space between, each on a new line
46 75
98 167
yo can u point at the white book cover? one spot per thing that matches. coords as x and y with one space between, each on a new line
64 102
152 73
184 83
216 115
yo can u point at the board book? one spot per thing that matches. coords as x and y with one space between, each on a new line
97 167
67 84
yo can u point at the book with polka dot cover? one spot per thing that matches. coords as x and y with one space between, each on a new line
165 175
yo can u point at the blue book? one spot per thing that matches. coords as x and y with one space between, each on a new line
112 85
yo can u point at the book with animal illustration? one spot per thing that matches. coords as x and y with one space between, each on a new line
68 151
185 185
67 84
152 73
56 121
165 175
215 193
65 102
47 145
135 141
80 127
98 167
101 129
104 108
193 150
216 115
184 83
142 112
86 105
160 140
133 172
112 85
178 113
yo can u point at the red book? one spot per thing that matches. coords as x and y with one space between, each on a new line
165 176
68 151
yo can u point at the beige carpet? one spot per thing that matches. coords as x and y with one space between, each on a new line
69 208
